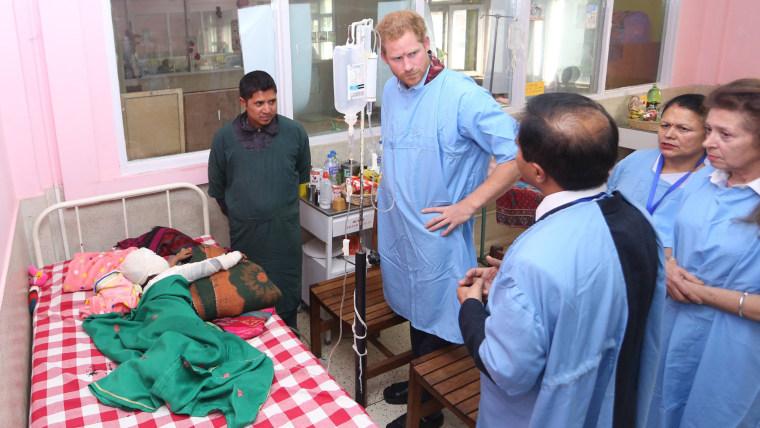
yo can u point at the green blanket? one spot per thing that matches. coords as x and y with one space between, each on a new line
168 355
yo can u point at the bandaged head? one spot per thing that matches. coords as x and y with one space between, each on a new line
141 264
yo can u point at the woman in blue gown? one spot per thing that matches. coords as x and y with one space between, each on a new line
710 364
655 178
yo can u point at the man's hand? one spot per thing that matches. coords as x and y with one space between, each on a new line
682 285
487 274
452 215
475 291
501 178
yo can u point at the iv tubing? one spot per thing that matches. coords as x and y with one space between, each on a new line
382 166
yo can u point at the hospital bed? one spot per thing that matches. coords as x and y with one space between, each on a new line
65 361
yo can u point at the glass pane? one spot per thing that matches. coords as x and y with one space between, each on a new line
325 25
635 43
437 41
562 45
459 40
179 71
471 36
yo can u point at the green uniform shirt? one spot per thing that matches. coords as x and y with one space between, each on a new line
260 189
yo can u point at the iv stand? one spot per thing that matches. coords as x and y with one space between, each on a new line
360 287
498 16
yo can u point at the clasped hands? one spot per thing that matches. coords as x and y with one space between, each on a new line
682 285
477 281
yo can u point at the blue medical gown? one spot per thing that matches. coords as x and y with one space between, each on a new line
437 143
558 314
633 177
710 365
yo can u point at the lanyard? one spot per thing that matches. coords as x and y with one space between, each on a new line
653 206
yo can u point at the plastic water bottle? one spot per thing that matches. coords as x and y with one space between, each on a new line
654 97
339 173
331 168
325 191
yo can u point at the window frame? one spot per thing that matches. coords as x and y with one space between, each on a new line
665 68
284 77
483 27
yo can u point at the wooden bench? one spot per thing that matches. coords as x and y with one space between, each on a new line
379 316
451 377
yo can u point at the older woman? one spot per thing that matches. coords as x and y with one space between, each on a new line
655 178
710 365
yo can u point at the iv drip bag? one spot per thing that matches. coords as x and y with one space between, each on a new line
349 88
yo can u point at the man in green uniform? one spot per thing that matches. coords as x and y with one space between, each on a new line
255 166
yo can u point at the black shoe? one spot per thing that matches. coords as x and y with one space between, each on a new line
431 421
396 393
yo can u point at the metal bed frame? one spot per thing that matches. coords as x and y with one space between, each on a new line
123 196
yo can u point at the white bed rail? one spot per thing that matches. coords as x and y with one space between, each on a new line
123 196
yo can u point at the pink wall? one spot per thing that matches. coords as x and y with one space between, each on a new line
25 113
715 40
74 37
741 35
19 174
8 209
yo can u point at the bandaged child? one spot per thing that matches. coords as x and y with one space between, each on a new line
120 291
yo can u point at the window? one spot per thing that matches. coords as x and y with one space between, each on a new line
464 51
636 36
562 47
179 65
532 47
312 71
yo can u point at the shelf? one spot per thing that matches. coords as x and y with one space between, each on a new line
326 225
338 265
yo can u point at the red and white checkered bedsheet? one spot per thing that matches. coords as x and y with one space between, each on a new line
65 361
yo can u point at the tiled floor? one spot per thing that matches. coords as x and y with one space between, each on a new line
342 368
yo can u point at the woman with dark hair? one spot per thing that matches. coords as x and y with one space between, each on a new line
655 178
709 367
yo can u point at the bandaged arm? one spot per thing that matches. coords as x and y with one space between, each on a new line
194 271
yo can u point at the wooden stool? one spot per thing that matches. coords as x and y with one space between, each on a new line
379 316
451 377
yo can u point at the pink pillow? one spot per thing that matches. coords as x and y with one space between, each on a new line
86 268
247 325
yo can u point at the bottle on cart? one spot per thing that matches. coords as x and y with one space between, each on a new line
339 173
325 191
331 168
654 97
